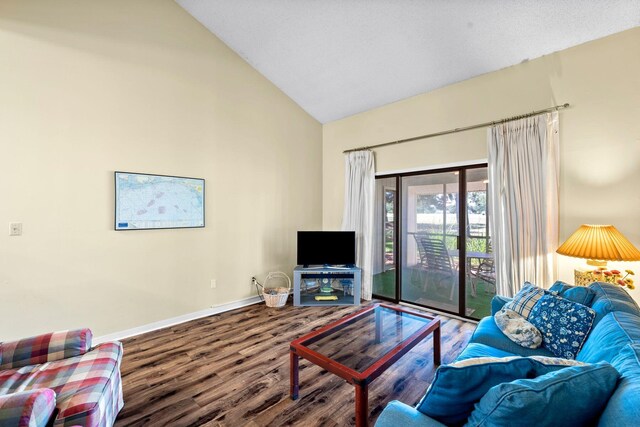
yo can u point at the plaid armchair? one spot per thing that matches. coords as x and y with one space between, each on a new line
27 408
58 377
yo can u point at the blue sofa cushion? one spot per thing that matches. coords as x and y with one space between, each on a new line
497 303
564 324
398 414
623 408
474 349
607 338
488 333
526 298
579 294
571 396
610 298
457 387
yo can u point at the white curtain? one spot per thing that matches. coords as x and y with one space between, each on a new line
523 184
359 195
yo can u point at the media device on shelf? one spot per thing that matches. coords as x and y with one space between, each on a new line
326 286
326 248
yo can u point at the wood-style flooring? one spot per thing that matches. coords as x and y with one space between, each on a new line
232 369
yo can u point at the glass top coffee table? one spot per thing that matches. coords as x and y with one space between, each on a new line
361 346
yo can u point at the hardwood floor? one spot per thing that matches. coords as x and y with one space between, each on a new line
232 369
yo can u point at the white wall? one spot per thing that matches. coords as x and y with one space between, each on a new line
600 133
87 88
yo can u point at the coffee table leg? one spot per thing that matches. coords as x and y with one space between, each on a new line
362 405
436 346
293 375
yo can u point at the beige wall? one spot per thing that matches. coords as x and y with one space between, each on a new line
87 88
600 133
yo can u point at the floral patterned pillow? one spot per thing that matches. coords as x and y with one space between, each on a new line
517 329
564 324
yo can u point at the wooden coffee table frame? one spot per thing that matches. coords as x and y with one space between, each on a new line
360 380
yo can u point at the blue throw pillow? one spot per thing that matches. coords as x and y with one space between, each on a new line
564 324
457 387
579 294
571 396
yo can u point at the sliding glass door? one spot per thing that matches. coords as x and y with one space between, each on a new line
429 224
480 274
419 241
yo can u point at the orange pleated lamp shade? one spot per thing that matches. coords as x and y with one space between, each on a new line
599 242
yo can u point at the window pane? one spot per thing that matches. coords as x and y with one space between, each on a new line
480 269
429 240
384 272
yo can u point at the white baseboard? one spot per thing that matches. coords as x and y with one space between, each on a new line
175 320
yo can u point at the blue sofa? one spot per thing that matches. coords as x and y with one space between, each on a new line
616 326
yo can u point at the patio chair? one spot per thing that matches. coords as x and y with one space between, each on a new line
418 273
438 263
422 255
485 271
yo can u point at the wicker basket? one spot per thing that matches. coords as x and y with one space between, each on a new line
276 289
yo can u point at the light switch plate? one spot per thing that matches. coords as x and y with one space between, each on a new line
15 229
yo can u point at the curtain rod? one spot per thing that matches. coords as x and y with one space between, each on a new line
446 132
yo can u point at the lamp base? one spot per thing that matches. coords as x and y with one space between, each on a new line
596 263
582 278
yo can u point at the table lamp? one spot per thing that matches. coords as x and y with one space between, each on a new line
598 244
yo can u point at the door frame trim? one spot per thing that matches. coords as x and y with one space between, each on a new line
433 167
462 168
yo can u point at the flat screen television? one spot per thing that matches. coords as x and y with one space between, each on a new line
326 248
145 201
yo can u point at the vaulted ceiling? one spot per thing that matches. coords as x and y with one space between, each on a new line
336 58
